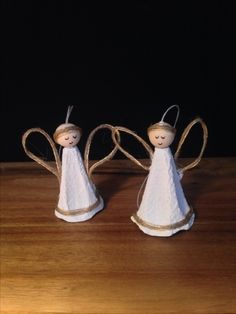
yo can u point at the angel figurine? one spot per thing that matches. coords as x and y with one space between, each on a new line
78 198
164 209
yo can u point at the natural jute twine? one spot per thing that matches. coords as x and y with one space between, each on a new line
182 140
116 135
117 145
55 170
175 225
117 129
88 146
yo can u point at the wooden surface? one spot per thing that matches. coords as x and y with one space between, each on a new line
107 265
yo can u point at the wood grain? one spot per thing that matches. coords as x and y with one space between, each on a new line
106 265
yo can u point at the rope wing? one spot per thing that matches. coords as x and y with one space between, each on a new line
183 138
55 170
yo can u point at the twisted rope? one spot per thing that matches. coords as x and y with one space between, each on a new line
55 170
183 138
116 131
88 146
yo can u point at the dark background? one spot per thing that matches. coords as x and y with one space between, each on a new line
118 62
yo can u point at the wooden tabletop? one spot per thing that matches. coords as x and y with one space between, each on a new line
106 264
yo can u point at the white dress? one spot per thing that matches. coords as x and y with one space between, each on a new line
78 199
164 209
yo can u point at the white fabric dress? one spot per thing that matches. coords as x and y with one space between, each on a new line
78 199
164 209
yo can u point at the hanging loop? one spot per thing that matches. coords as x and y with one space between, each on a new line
177 115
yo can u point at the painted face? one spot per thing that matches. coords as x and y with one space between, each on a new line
161 138
69 139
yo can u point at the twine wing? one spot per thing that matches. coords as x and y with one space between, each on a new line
88 146
115 134
182 140
56 171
